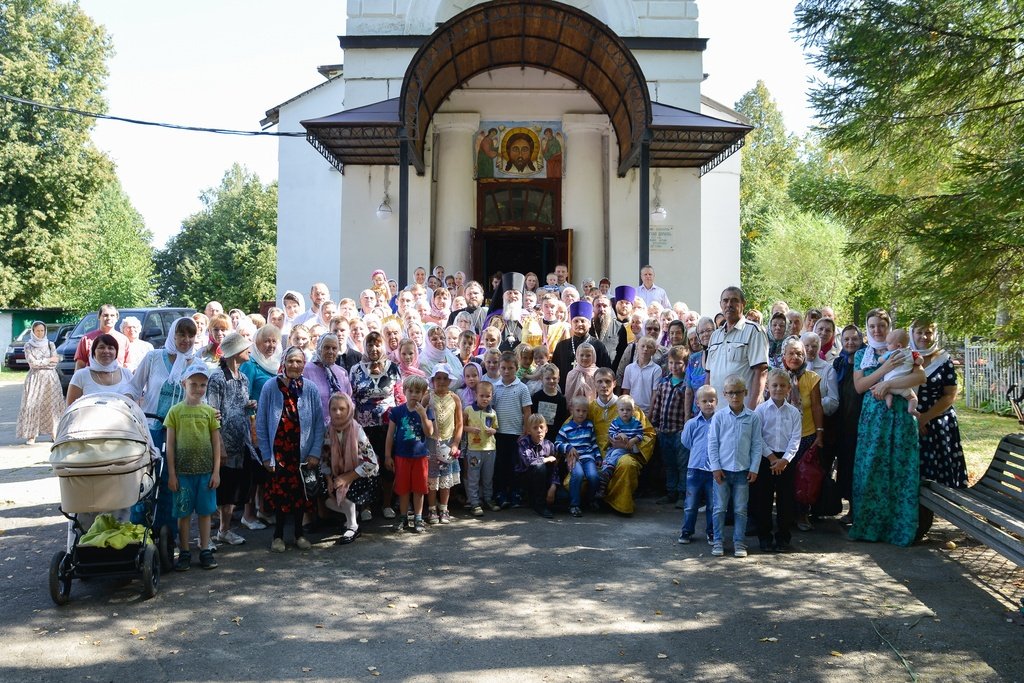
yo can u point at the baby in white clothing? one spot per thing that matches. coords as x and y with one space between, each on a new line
897 341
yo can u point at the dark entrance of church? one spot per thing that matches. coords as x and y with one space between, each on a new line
519 228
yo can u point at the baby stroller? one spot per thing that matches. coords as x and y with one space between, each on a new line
105 461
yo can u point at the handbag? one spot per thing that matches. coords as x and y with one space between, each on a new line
809 475
830 503
313 483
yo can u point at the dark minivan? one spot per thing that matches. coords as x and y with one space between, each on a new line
155 324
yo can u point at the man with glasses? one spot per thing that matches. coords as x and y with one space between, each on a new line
740 348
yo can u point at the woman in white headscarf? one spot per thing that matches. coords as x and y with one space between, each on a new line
104 372
294 305
41 399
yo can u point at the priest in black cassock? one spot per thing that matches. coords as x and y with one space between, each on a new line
580 314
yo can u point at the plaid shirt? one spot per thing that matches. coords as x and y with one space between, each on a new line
668 406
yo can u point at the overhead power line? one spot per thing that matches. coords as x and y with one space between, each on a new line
140 122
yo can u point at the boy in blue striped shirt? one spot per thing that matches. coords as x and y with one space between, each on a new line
578 441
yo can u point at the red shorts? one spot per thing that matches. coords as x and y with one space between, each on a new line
410 475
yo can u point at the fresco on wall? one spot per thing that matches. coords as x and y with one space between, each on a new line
507 149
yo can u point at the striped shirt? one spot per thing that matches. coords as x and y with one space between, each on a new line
668 406
509 401
578 436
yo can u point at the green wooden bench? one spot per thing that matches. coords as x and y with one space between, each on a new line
992 510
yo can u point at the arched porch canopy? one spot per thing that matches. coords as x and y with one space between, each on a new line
542 34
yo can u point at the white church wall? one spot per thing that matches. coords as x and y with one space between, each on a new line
309 203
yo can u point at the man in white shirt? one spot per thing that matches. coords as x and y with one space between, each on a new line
318 294
650 292
739 347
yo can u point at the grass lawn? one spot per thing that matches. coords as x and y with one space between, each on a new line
980 434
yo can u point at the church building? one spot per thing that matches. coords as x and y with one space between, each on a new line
508 135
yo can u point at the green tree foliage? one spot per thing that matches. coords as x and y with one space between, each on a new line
801 259
114 259
226 252
769 158
50 52
927 98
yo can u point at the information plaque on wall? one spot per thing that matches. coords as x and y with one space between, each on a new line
662 238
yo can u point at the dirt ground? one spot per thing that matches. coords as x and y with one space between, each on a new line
509 597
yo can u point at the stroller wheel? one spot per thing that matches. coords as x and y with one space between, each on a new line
60 579
165 550
150 572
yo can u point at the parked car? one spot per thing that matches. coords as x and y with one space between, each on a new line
15 356
155 324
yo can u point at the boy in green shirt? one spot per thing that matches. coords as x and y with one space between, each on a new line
193 464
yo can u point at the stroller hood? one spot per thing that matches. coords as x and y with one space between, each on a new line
99 428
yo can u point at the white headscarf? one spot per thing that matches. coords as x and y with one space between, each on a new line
34 342
181 360
271 364
302 305
96 366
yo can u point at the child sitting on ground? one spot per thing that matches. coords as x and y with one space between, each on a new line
405 450
537 469
897 342
578 441
193 464
734 452
700 484
625 434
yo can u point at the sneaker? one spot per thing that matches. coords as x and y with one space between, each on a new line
546 513
365 515
493 505
253 524
230 537
684 539
717 550
269 520
206 560
277 545
782 547
184 562
211 546
739 551
804 524
478 511
445 516
389 513
711 539
410 522
575 511
433 517
419 526
302 543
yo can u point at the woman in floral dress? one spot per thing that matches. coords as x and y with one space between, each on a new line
886 469
42 401
290 430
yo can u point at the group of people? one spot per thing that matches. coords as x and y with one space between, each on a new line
423 402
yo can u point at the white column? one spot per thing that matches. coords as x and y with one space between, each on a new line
456 189
583 192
